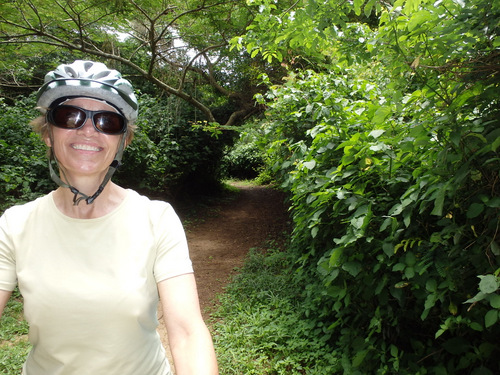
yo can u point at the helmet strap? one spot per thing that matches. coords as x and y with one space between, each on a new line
78 195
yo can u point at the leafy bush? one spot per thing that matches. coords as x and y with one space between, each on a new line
23 165
244 160
395 200
169 154
396 221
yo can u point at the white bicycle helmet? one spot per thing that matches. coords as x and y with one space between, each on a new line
88 79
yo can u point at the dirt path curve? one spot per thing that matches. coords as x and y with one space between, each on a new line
220 240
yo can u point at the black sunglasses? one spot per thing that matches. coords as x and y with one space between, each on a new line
71 117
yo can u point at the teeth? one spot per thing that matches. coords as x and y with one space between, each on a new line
85 147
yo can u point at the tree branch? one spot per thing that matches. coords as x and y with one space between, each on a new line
75 36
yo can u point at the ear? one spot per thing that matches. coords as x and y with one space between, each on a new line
46 139
47 134
128 138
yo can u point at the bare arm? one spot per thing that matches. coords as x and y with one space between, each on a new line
189 338
4 298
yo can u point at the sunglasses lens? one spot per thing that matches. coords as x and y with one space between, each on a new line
109 122
68 117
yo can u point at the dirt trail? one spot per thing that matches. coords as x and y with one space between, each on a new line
222 236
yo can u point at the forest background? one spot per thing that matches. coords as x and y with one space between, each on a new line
379 119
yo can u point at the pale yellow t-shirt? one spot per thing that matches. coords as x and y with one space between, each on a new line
90 286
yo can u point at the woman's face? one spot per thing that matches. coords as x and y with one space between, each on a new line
84 152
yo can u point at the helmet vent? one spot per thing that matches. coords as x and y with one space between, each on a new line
102 74
70 72
87 65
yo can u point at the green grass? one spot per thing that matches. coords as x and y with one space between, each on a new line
260 327
14 345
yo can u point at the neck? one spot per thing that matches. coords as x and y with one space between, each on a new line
90 183
110 198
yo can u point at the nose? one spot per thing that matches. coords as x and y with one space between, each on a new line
88 128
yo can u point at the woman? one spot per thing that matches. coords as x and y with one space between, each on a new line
91 258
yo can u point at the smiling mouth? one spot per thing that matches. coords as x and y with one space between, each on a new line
85 147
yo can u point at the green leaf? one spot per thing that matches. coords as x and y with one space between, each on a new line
407 215
495 144
495 249
368 8
493 202
475 209
490 318
430 301
334 258
439 333
476 327
481 370
488 284
310 164
314 231
410 259
376 133
431 285
418 19
399 267
439 201
409 272
357 6
359 357
353 268
495 301
381 115
452 308
478 297
388 249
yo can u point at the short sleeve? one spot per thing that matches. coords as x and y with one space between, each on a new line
8 277
172 254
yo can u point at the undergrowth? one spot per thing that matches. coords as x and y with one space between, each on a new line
260 326
14 345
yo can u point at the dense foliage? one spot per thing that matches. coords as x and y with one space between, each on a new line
23 168
244 159
170 154
391 160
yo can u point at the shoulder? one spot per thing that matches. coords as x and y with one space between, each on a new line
134 198
155 209
17 220
23 212
158 217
